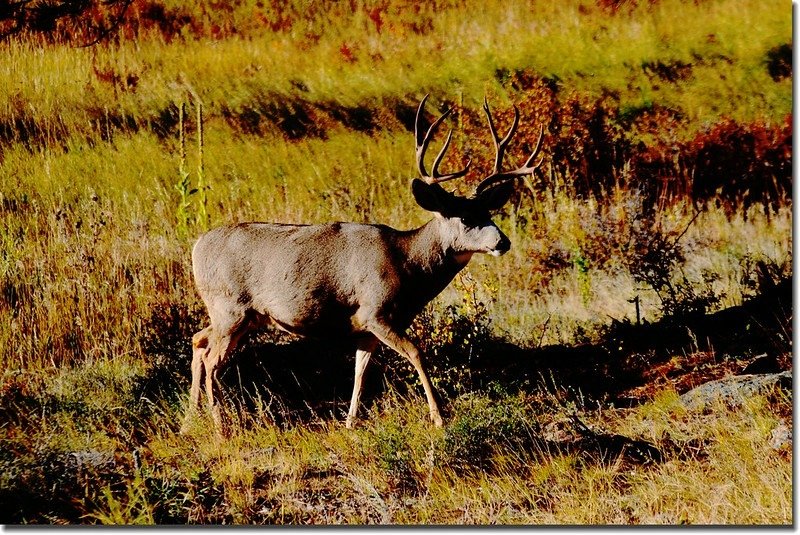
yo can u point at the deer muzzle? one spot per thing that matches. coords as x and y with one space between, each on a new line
502 246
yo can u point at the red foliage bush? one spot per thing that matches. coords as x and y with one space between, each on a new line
593 146
741 164
735 165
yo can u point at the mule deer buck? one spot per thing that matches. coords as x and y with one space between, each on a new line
366 282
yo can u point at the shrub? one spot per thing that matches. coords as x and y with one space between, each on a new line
394 455
733 164
483 428
779 62
453 339
653 259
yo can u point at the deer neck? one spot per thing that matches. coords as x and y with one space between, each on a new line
429 265
430 251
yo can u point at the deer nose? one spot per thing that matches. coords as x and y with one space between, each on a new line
502 246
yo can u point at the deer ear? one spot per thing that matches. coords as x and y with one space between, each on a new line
431 197
494 198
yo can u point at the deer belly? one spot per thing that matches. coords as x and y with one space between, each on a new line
315 319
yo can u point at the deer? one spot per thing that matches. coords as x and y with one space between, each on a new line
366 282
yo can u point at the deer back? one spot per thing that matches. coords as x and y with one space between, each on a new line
321 279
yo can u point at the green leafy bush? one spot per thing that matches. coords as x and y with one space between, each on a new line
485 427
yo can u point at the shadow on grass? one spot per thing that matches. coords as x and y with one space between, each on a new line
299 380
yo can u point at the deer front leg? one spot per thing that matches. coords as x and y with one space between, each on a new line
363 353
405 347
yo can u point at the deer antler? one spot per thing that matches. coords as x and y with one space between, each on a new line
422 145
500 145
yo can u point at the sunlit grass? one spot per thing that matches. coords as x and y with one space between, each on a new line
706 488
59 88
93 247
718 468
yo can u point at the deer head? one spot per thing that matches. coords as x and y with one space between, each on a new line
465 222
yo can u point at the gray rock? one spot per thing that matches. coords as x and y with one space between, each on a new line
735 389
90 459
781 437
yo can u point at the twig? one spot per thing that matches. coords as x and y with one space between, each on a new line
544 330
696 215
364 487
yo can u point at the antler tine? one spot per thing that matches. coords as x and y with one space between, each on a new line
536 151
500 144
501 176
422 145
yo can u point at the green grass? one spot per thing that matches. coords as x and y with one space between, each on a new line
588 50
92 247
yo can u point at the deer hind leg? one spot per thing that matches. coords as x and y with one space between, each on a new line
200 348
214 361
363 353
405 347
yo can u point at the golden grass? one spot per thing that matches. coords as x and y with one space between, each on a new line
326 474
92 248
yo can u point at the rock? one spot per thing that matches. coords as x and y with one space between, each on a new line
762 364
735 389
781 437
91 459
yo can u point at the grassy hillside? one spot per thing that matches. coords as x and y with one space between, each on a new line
667 178
703 63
